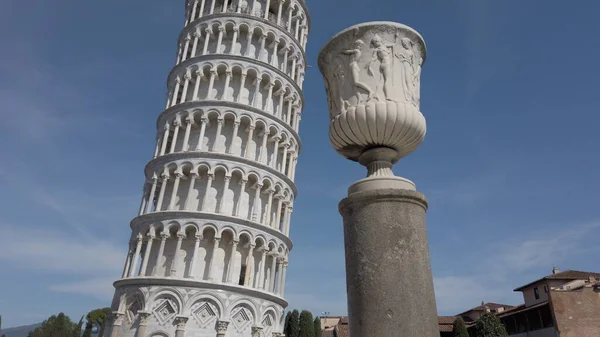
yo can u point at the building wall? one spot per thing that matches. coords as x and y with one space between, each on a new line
529 294
577 312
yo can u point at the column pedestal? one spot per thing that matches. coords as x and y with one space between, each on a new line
388 274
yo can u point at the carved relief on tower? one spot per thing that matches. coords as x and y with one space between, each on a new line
205 313
165 309
380 63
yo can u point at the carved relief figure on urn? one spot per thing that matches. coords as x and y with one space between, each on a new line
375 115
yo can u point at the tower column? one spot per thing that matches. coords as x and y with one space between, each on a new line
188 199
197 85
136 256
242 86
176 254
267 220
211 262
176 126
127 261
261 272
249 267
236 127
178 176
234 41
208 32
273 271
147 255
195 256
247 153
189 120
239 201
231 266
161 194
208 186
225 188
203 123
161 252
256 205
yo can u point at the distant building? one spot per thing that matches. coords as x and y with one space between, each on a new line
563 304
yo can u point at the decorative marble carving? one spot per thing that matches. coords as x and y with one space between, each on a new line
180 321
222 327
256 331
372 79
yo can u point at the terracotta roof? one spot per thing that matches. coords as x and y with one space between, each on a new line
492 306
341 330
567 275
446 323
521 308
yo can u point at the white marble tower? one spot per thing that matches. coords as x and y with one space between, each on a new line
209 249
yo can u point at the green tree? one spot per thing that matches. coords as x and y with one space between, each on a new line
459 329
317 327
489 325
292 327
96 319
56 326
307 328
286 325
88 329
79 326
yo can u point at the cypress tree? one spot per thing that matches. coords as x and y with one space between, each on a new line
286 326
459 329
77 331
317 327
293 325
307 328
88 329
489 325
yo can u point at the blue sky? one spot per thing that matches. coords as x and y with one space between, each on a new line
509 164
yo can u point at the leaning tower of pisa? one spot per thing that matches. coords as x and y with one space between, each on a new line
209 248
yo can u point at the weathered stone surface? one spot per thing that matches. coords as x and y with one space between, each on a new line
388 275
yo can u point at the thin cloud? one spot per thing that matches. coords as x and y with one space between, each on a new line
100 288
58 252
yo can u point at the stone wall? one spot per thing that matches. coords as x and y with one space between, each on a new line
577 312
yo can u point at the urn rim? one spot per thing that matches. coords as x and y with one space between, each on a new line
419 37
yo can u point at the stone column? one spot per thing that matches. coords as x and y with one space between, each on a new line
250 267
161 252
136 256
216 147
189 120
279 11
242 85
176 126
225 188
186 83
208 186
178 176
117 318
203 123
388 273
199 75
256 331
267 218
180 321
256 202
208 32
224 97
186 47
127 261
272 272
234 40
175 262
243 183
231 266
193 177
246 153
161 194
284 265
220 39
222 328
261 271
147 254
176 91
143 317
236 127
211 262
165 138
195 256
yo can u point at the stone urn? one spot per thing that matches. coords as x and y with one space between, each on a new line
372 77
